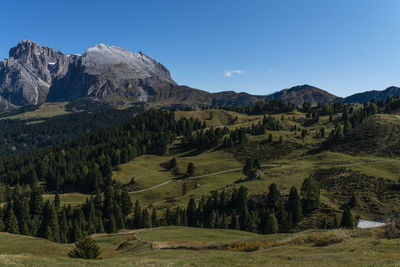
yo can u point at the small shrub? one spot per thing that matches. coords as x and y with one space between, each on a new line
391 230
85 248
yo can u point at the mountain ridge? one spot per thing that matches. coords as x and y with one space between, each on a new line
34 74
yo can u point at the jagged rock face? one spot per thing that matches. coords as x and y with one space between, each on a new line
112 73
26 76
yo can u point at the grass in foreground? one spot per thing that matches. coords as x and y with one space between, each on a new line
358 248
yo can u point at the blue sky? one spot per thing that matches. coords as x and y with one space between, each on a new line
255 46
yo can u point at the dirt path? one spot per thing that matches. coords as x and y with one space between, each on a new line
267 165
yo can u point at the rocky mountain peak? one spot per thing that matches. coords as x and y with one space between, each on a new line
26 76
101 57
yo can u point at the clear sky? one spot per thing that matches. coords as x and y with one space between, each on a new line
257 46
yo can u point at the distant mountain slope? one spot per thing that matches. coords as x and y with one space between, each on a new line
33 74
369 95
302 93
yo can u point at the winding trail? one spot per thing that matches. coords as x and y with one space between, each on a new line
263 166
398 116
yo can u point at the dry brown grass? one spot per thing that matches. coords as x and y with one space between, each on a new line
315 239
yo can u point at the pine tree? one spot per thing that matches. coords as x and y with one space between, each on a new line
36 202
57 202
112 225
2 225
119 218
274 198
234 221
108 201
311 195
335 222
190 169
347 219
211 219
92 211
154 218
24 229
76 231
99 225
11 222
353 201
137 216
224 222
244 218
294 206
191 213
347 127
91 228
33 227
271 225
126 203
146 223
64 227
53 224
85 248
339 135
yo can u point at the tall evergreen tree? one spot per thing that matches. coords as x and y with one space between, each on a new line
154 222
190 169
352 201
347 219
311 195
191 213
271 225
57 202
295 206
11 222
137 215
36 201
126 203
235 224
112 225
76 230
146 222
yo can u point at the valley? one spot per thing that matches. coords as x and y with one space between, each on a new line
200 133
286 149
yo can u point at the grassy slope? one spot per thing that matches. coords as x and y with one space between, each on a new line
195 234
295 165
362 249
46 110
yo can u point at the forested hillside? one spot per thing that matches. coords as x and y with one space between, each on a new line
265 168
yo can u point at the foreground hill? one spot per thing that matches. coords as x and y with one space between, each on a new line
207 247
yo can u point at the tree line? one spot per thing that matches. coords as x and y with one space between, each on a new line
86 164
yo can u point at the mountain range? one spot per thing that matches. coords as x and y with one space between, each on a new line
34 74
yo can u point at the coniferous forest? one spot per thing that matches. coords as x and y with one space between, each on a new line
86 164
